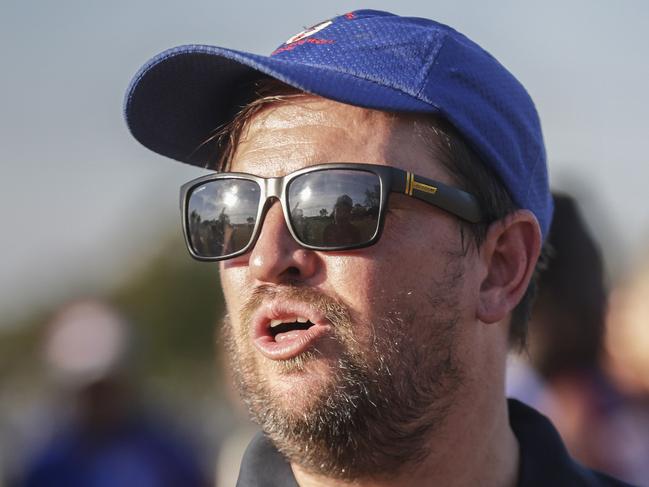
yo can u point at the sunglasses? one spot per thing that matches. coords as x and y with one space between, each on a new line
337 206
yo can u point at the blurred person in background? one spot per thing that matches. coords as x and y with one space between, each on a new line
628 332
110 437
627 344
378 359
566 350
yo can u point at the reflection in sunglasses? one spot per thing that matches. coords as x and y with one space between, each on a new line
305 194
230 199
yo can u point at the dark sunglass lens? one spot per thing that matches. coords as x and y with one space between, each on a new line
221 216
335 207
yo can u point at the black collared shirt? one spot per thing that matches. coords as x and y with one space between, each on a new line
544 461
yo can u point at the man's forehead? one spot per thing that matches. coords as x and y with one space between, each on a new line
307 120
309 130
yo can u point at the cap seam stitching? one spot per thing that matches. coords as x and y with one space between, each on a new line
353 75
436 48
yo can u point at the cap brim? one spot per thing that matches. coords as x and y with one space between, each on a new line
179 98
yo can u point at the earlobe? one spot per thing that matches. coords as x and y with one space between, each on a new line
509 253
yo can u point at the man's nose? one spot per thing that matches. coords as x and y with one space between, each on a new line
276 257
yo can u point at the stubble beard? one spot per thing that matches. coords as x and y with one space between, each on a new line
385 400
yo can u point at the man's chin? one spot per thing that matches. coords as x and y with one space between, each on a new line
298 384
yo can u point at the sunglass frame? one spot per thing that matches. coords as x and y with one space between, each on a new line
391 179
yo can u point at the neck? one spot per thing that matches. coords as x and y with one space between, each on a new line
475 447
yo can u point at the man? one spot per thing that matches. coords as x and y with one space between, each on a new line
378 360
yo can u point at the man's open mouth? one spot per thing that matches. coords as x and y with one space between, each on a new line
282 330
285 330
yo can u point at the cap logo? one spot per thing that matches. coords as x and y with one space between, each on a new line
309 32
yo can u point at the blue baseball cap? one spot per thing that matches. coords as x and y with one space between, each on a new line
365 58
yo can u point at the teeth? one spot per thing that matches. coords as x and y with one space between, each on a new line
299 319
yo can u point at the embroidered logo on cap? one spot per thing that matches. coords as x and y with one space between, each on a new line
309 32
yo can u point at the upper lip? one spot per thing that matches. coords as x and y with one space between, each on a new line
283 310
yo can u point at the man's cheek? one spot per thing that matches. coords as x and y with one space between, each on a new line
233 286
375 285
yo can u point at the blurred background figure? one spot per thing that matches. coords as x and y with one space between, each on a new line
564 371
628 335
108 437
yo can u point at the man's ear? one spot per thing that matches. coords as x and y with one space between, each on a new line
509 253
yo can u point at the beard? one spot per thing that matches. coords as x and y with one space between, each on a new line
385 396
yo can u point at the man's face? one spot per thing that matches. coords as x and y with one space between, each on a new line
361 393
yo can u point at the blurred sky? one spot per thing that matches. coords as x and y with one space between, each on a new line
82 204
